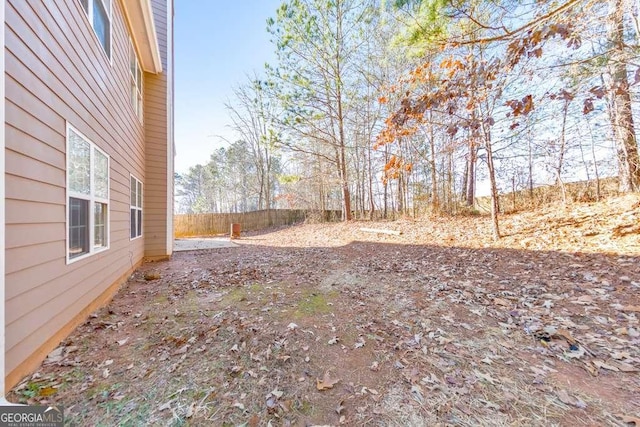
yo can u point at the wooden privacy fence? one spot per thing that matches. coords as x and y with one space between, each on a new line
220 223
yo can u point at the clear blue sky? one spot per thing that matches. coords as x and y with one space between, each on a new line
217 43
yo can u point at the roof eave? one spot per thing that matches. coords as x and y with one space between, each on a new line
139 14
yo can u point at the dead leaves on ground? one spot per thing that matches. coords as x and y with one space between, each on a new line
326 382
475 334
565 398
629 419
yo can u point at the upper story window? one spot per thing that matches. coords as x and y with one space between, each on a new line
135 73
99 13
87 197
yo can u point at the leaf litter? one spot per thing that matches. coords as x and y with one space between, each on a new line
322 324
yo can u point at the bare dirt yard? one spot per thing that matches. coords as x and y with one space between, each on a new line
325 324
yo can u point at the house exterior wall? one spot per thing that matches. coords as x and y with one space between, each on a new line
57 74
158 119
2 308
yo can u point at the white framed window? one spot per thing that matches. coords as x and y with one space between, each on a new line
135 73
99 14
136 208
87 197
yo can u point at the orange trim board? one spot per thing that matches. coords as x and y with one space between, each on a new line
31 363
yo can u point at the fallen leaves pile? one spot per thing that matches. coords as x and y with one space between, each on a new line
328 325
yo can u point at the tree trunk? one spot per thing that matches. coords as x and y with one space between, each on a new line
620 102
386 184
261 193
562 145
530 171
450 191
495 208
372 205
400 194
267 193
471 173
513 191
465 179
362 181
322 191
434 174
494 193
346 195
595 164
585 163
392 202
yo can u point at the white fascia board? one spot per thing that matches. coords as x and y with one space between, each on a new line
139 15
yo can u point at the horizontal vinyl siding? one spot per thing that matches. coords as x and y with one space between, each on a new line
27 212
21 188
62 97
56 271
56 72
156 202
20 165
19 235
72 303
157 158
64 287
24 257
21 122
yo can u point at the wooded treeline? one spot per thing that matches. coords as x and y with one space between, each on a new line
413 106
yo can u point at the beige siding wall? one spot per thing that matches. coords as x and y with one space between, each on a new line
158 208
56 72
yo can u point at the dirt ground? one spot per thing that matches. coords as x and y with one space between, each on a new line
327 324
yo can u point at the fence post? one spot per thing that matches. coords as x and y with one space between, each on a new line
235 230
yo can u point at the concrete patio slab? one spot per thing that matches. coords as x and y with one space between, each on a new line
199 243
